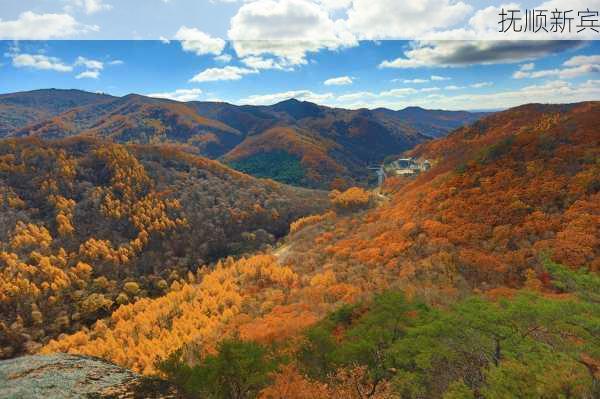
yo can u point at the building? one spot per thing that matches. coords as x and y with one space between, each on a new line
407 167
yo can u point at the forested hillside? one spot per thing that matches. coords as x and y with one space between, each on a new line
20 109
478 279
88 225
322 147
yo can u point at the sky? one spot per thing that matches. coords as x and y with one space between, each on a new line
342 53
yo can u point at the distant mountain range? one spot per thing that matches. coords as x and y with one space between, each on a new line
293 141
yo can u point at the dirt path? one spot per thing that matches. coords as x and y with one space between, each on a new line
281 251
380 197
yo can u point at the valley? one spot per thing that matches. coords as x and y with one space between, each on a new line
132 233
325 147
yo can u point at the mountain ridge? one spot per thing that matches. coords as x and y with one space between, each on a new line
215 129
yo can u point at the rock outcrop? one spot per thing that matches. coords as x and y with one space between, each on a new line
70 376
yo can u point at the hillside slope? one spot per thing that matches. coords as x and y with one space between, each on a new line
20 109
87 225
502 194
138 119
349 140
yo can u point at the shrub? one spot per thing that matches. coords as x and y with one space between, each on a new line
352 199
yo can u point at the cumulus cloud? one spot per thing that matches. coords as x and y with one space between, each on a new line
32 26
439 78
302 95
339 81
464 53
389 19
88 63
572 68
287 30
93 68
225 73
39 61
224 58
198 42
483 24
179 95
255 62
88 75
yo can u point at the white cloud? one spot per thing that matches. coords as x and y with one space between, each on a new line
572 68
302 95
398 92
225 73
286 29
579 60
429 89
393 19
339 81
483 24
352 97
454 87
480 85
566 92
527 67
179 95
439 78
95 74
93 68
224 58
255 62
88 6
198 42
39 61
449 53
415 81
34 26
89 64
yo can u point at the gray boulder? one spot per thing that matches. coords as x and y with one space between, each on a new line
71 376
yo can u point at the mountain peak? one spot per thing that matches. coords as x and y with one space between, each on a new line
298 109
289 101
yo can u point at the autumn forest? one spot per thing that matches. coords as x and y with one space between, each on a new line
248 252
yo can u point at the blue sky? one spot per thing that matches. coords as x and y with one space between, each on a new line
161 69
348 53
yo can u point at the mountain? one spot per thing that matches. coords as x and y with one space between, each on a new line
505 201
501 194
353 139
433 123
348 140
88 225
20 109
139 119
